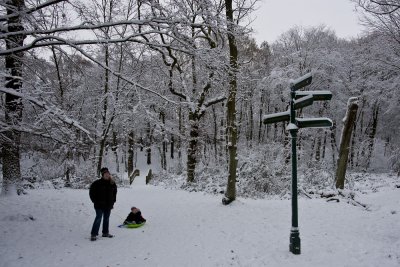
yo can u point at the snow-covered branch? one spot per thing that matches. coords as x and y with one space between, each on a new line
28 130
30 10
119 75
53 110
160 23
43 42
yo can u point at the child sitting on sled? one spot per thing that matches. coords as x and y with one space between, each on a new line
134 217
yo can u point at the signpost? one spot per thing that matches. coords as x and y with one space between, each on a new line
299 100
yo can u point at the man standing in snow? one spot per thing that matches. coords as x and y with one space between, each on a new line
103 193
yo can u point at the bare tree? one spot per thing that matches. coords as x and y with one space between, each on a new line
382 16
19 22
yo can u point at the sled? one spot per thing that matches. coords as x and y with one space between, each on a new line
131 225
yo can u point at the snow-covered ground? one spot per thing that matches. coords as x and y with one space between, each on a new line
49 227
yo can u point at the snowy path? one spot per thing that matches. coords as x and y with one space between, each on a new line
194 229
143 169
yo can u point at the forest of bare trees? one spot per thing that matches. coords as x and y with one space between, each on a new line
86 83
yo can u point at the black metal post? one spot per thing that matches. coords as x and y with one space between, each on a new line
294 246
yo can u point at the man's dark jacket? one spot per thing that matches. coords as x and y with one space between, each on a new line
103 193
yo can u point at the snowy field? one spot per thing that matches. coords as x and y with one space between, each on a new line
51 227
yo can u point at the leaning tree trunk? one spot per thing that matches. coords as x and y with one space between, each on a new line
13 104
230 194
349 120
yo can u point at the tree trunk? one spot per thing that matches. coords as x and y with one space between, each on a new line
215 138
114 148
100 156
60 86
353 146
13 105
131 143
172 146
230 194
240 121
350 118
286 147
179 144
181 133
318 148
312 150
372 133
324 145
192 148
148 155
260 115
164 143
104 113
149 143
222 138
333 142
251 126
360 152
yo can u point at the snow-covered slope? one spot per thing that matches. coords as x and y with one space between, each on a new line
51 228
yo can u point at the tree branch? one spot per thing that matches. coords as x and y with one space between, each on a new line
117 74
31 10
52 110
38 42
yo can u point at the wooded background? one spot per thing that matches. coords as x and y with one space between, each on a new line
186 82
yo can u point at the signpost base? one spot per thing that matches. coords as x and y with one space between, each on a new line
294 246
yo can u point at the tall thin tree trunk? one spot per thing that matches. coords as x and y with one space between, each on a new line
106 16
104 113
312 150
230 194
215 137
360 152
131 143
260 115
318 148
149 143
286 147
324 145
172 146
222 138
114 148
164 143
251 124
240 120
181 133
192 148
353 146
349 120
60 85
372 133
333 142
68 164
13 105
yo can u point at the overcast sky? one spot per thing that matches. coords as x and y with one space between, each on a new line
275 17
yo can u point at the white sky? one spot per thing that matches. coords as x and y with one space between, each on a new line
275 17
